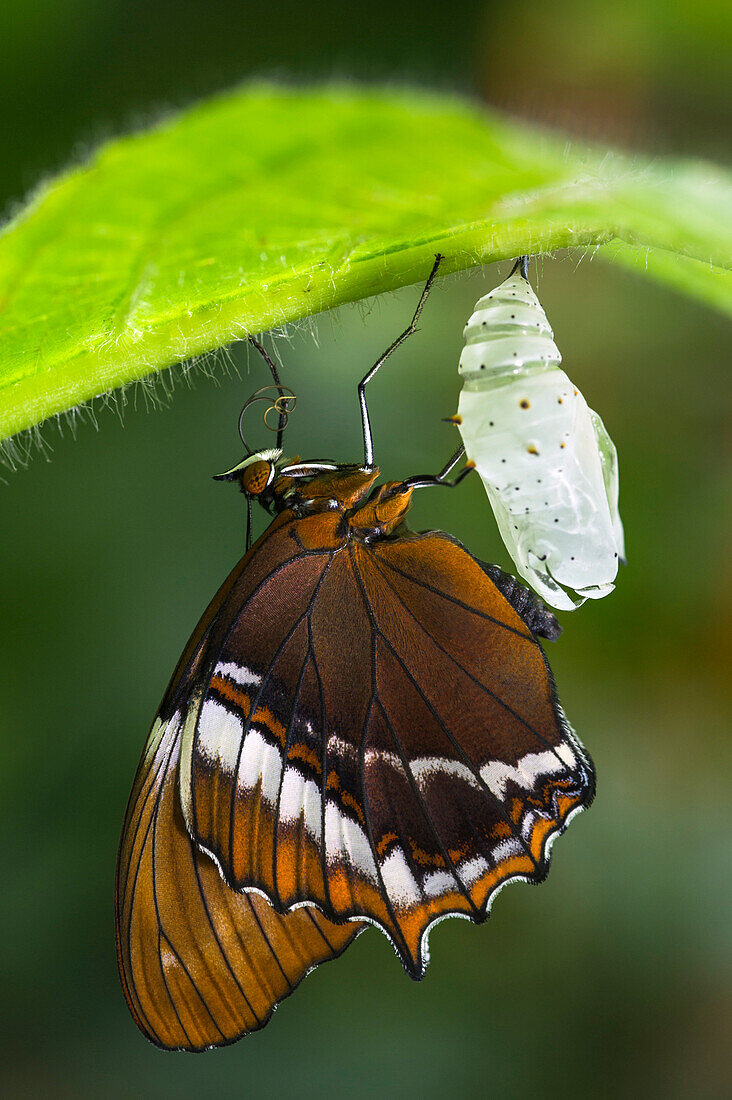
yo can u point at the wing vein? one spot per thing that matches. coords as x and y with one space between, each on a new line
396 928
255 704
515 830
466 759
449 863
211 659
266 938
214 931
319 930
323 778
154 823
285 753
453 599
163 763
186 971
478 684
133 889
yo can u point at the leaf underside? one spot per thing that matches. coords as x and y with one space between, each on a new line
268 204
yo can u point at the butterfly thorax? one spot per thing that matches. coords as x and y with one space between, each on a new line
363 512
307 488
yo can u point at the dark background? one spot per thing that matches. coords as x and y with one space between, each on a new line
610 979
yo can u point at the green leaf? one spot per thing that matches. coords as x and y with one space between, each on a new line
268 204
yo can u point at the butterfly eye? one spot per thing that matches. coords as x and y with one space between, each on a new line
256 477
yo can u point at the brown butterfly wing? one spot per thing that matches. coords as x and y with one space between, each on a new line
466 737
381 737
201 965
295 663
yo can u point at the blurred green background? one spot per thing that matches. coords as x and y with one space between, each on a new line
612 979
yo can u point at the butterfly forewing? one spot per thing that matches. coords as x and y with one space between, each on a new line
237 778
475 736
380 736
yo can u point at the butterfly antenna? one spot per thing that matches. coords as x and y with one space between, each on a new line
282 405
276 379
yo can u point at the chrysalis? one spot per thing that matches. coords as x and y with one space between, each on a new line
548 465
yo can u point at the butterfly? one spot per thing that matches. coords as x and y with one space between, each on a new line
362 729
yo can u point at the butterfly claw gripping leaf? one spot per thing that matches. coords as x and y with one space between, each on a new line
546 461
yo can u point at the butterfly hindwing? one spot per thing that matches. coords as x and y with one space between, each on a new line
201 964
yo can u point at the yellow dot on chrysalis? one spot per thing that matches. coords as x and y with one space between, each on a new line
525 404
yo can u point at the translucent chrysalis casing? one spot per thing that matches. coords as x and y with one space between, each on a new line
547 463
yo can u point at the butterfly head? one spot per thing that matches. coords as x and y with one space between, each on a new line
278 482
255 473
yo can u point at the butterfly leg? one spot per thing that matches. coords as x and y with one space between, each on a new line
423 480
368 443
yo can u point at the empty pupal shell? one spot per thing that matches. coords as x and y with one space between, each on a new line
548 465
